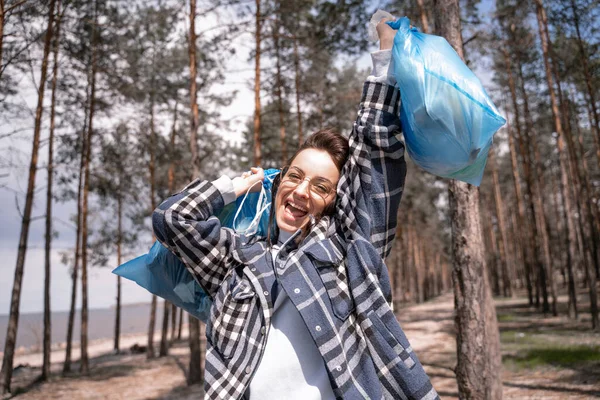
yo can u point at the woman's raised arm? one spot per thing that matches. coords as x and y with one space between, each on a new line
372 180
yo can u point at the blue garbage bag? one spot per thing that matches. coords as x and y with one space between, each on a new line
163 274
447 117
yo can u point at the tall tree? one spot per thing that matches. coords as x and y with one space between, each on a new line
13 322
563 155
478 342
48 233
84 367
257 116
194 372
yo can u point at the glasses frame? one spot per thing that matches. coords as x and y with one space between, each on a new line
329 187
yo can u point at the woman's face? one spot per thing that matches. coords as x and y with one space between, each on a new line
308 186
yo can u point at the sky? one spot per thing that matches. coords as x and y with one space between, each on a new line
102 287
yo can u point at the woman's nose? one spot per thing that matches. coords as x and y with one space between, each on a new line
302 190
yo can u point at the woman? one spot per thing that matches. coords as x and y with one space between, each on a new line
306 312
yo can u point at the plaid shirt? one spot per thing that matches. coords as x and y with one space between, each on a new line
336 277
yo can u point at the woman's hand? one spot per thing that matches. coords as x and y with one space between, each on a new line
251 180
386 34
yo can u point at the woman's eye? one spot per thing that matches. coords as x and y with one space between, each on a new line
321 189
294 176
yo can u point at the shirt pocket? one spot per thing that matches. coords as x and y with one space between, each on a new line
388 342
230 315
332 270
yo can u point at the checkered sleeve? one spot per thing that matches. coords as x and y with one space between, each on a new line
186 224
372 180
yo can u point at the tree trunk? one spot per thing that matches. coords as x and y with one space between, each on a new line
539 186
151 168
193 92
117 337
13 322
524 253
297 81
533 235
564 162
74 274
47 321
164 340
195 368
506 256
279 91
194 373
423 15
84 365
180 324
257 136
171 186
478 369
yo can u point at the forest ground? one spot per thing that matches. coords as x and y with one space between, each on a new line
543 358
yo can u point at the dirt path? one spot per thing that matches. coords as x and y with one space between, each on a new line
429 327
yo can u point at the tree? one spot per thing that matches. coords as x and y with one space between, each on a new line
257 138
48 239
478 342
11 332
563 156
195 372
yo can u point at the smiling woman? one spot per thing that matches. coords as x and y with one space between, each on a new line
305 313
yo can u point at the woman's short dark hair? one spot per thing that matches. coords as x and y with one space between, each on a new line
328 140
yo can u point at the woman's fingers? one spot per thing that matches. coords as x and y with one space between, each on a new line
386 34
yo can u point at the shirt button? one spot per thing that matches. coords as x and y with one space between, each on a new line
248 369
266 293
253 270
263 330
338 368
318 328
296 290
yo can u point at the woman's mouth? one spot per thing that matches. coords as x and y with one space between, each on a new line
296 211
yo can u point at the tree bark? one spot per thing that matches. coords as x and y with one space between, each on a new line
478 369
563 156
171 186
84 365
77 256
525 254
539 186
195 368
506 257
13 321
423 16
151 169
117 337
193 92
179 328
279 93
194 372
47 321
257 136
533 234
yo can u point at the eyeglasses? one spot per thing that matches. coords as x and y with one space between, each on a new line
318 186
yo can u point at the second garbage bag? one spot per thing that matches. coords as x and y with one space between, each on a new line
447 117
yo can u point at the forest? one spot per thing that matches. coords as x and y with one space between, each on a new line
107 107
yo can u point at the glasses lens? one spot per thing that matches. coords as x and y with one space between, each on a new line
318 186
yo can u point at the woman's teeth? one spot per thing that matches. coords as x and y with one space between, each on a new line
296 210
